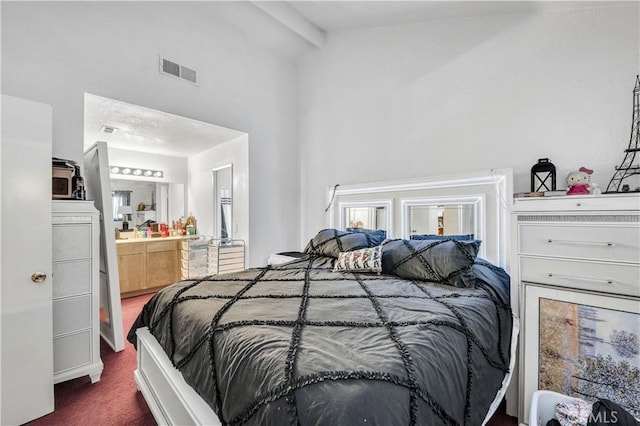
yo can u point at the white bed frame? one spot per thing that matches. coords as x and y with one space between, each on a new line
173 402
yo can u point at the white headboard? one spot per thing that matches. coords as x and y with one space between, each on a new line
488 193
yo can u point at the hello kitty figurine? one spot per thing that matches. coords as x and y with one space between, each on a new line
579 183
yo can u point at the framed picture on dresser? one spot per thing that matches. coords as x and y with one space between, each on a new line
581 344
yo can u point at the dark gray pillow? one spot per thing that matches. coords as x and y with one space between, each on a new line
447 262
330 242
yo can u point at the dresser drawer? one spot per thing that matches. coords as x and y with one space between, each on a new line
72 314
612 278
71 242
194 254
71 351
609 243
70 278
226 250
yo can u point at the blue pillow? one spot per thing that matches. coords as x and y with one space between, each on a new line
377 235
433 237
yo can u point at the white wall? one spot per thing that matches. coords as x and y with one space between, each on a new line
200 193
467 95
177 203
54 52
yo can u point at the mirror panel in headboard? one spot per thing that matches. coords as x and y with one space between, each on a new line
443 217
474 203
371 214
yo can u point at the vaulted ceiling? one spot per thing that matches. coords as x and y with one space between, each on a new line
291 28
348 15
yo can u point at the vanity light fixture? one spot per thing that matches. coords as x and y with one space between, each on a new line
130 171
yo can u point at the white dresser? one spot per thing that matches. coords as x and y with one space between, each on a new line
76 297
576 267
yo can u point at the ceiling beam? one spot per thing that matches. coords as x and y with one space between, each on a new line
290 18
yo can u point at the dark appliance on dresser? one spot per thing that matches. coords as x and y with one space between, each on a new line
66 181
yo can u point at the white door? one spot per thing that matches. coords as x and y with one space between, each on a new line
26 368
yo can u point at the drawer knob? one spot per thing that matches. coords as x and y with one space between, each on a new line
38 277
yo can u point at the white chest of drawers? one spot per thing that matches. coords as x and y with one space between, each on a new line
76 298
225 256
576 262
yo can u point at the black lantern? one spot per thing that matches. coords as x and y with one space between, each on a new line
543 176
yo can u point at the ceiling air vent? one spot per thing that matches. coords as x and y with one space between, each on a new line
108 129
177 70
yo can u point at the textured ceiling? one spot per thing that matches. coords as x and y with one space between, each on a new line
147 130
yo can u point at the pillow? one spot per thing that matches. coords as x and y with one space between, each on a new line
465 237
377 235
363 260
447 262
330 242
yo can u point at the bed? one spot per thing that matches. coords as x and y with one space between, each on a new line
403 332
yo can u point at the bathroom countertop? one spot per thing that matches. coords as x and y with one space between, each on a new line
142 240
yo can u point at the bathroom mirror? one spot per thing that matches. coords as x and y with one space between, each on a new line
157 201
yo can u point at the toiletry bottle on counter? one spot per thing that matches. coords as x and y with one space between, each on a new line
191 225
